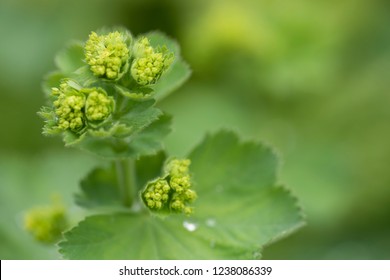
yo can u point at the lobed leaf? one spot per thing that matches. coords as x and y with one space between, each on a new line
99 189
240 208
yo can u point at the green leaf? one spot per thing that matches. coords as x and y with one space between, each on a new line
135 236
240 208
150 139
99 188
244 174
138 93
149 167
70 58
178 72
173 79
138 114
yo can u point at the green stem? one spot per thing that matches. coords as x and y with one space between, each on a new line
125 170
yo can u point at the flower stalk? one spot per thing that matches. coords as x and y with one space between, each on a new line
126 177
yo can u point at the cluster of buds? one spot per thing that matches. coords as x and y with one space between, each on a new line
47 223
98 105
68 108
173 192
107 55
157 194
149 64
78 105
75 107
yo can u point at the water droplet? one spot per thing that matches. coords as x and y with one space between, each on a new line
212 243
190 226
256 255
211 222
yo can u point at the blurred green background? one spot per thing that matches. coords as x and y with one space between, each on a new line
310 78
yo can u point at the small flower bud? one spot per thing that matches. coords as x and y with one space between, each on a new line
173 192
149 64
68 108
98 105
177 167
108 54
75 108
46 224
188 210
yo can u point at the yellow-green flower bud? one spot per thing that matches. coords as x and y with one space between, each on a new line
98 105
173 192
142 48
108 54
75 108
68 108
156 194
46 224
149 64
178 167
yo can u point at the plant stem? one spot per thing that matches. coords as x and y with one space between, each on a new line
125 170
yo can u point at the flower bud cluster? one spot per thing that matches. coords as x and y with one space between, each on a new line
46 224
75 107
107 54
68 108
98 105
173 192
149 64
157 194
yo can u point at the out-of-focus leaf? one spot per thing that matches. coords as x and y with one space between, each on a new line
52 80
99 188
70 58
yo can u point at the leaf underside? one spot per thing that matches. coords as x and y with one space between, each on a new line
239 209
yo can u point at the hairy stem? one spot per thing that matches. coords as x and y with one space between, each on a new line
125 170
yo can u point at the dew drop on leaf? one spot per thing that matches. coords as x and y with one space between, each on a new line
190 226
256 255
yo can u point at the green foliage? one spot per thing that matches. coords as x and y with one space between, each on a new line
102 100
240 209
314 88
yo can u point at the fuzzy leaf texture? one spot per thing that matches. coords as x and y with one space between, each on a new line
240 209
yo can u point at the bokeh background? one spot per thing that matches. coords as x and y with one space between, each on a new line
310 78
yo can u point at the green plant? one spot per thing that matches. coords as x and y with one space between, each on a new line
221 202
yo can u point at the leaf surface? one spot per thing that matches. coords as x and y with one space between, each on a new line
240 208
